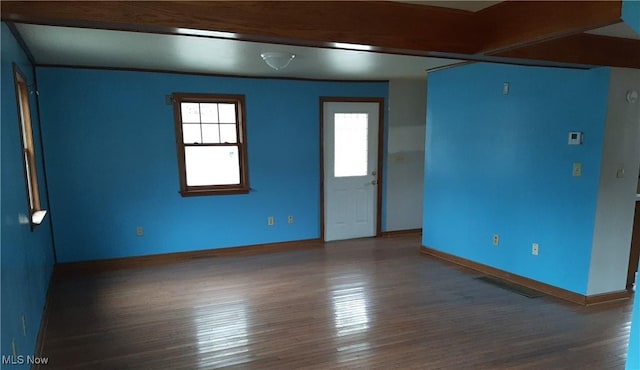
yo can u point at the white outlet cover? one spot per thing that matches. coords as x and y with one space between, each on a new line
577 169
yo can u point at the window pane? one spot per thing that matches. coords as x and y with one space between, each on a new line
191 134
209 112
190 112
212 165
228 134
210 134
227 113
351 144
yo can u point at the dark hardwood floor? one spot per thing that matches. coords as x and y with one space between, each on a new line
368 303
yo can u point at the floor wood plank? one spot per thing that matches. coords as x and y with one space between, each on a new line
367 303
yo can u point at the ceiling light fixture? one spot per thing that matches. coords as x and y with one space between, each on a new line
277 60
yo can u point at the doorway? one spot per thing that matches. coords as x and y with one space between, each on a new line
351 155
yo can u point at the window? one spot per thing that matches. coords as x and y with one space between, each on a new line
28 151
351 144
212 144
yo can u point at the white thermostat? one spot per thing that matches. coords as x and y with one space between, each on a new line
575 138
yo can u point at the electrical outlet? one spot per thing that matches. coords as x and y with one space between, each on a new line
496 239
577 169
24 326
535 248
139 231
290 219
271 221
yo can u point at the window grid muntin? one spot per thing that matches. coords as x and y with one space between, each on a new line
218 125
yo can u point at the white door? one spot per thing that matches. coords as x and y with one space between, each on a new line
350 169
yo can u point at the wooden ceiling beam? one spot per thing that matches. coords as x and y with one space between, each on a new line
582 49
378 25
513 24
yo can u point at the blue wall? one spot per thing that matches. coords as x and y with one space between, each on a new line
631 14
110 147
500 164
26 256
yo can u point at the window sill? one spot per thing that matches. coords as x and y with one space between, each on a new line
205 192
38 216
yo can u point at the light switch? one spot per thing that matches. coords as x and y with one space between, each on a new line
575 138
577 169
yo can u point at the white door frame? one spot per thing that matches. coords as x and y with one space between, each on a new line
380 178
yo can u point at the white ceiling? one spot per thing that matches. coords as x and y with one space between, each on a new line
119 49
